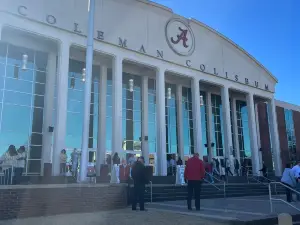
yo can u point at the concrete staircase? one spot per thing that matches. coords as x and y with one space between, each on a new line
166 192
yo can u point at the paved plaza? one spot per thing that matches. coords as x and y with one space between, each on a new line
213 212
229 209
124 217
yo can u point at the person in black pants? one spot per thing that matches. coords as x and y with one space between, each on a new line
138 174
194 173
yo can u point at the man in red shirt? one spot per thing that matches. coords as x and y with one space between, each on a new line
194 173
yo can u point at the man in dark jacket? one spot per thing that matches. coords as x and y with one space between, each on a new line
138 174
194 173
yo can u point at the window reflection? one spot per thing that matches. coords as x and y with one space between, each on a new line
22 93
217 121
187 114
152 115
132 111
75 106
290 132
243 130
204 124
171 123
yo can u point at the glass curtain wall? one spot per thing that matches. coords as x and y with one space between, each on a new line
152 116
290 132
231 124
187 120
22 102
171 122
243 130
75 108
204 125
132 113
109 112
217 121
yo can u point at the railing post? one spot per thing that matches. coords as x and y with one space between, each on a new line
151 191
270 198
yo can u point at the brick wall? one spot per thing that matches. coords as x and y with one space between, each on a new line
284 153
42 200
264 134
296 118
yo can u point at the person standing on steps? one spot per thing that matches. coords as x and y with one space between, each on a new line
194 173
296 173
237 167
228 170
138 174
289 180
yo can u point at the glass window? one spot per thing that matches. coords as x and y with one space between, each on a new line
37 120
41 59
18 85
17 98
3 52
15 56
16 118
34 166
40 77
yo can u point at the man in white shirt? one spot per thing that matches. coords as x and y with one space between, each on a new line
296 172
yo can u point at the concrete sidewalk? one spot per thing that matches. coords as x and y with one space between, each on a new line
124 217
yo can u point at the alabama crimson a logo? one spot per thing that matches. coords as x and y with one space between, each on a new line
180 37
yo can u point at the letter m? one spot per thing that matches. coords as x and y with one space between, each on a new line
123 43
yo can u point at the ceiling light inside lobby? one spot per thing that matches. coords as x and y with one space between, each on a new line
169 93
83 74
201 100
131 85
24 61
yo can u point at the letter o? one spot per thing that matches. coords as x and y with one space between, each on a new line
51 19
202 67
20 10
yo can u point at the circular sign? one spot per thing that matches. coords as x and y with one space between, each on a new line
180 37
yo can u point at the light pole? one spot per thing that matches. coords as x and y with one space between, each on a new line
87 92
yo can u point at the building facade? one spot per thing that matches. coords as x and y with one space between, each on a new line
161 85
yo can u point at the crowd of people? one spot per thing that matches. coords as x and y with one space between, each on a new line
291 179
12 164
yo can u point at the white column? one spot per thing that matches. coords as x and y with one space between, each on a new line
48 109
227 124
253 134
197 118
61 109
210 133
117 105
274 136
161 123
235 130
180 122
258 136
145 111
101 140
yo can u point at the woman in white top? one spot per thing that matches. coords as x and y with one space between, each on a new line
8 163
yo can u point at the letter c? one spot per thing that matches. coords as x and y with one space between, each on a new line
21 10
188 63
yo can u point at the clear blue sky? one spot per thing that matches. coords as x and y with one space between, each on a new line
268 29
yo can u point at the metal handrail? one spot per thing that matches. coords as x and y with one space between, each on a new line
281 200
150 190
257 180
224 183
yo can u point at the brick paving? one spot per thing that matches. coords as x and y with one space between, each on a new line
124 217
